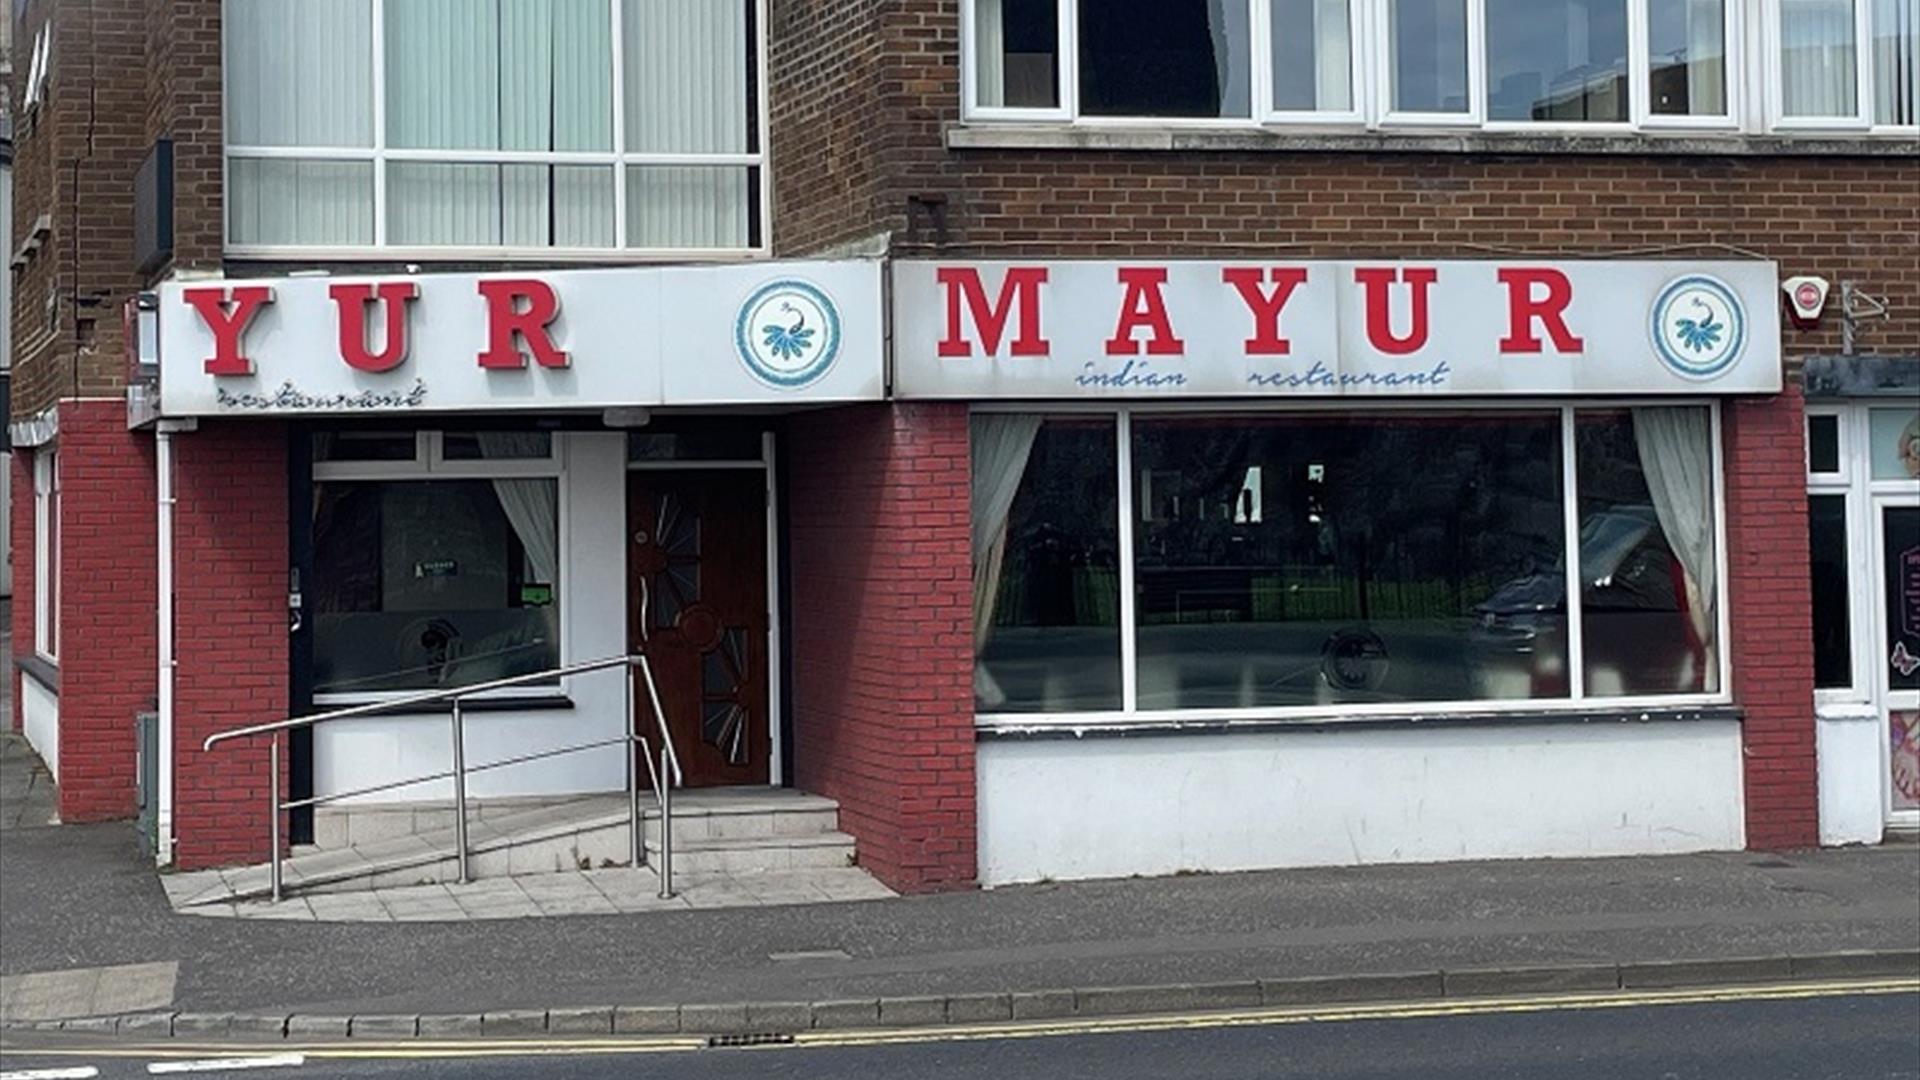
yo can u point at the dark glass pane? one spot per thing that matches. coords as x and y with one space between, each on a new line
1647 562
418 584
1687 57
1049 641
1823 444
1165 58
1832 621
364 446
717 443
1312 559
495 445
1900 540
1017 49
1557 61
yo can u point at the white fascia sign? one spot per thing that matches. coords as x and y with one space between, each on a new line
1148 329
759 334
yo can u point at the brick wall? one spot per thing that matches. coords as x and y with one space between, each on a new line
183 76
824 119
1771 616
230 631
882 649
108 627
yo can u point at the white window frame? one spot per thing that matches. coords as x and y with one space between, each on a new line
430 463
1753 89
1777 117
1848 483
618 159
46 554
1130 715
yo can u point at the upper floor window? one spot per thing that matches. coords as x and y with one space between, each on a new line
535 126
1584 65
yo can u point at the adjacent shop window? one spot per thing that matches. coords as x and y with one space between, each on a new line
441 572
1297 560
1832 600
1648 579
1046 575
1305 560
46 553
496 124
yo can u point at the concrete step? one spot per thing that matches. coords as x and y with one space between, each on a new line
715 831
748 855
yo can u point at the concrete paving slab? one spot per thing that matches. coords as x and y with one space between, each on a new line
646 1019
99 991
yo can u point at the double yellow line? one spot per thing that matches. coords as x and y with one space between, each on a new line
1325 1014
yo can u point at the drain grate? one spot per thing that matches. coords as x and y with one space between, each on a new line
757 1038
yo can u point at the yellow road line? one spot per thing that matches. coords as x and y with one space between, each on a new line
423 1049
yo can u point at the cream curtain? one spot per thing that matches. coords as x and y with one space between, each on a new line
531 504
1676 455
1706 57
1817 58
989 53
1002 442
685 65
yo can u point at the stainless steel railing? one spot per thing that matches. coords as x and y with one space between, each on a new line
662 778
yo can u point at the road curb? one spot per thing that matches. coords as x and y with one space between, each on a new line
780 1018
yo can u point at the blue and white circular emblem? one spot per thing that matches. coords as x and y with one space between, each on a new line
788 333
1699 326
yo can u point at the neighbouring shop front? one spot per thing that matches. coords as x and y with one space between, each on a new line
497 475
1326 562
1863 520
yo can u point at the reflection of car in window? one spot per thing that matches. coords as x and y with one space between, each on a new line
1636 628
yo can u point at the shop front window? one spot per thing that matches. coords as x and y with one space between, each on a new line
1046 564
1301 561
442 569
1310 560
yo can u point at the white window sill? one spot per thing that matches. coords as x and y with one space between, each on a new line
1011 136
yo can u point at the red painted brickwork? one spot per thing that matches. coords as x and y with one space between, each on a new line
882 649
108 627
1771 616
230 581
21 485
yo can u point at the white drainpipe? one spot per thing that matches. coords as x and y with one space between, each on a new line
163 487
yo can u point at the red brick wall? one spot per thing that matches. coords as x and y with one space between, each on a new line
230 632
22 619
107 622
882 650
1771 616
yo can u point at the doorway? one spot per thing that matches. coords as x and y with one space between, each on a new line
1896 542
698 572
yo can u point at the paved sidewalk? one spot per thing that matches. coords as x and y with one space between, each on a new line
78 897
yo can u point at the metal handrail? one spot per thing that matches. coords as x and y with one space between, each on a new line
662 779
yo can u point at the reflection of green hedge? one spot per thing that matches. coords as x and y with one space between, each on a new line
1096 598
1273 601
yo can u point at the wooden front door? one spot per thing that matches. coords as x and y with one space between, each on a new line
697 571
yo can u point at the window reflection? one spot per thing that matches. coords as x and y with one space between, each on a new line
1294 560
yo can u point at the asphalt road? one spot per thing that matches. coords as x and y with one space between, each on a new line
1852 1037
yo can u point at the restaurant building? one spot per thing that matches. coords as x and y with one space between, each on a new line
1075 438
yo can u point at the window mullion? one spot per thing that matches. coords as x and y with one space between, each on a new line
1123 466
1640 63
617 13
1069 35
379 37
1570 498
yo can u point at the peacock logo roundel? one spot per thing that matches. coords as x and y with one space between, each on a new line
788 333
1699 326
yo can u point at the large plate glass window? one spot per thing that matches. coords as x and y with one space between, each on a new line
1046 577
526 125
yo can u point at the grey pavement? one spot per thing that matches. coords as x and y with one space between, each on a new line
81 896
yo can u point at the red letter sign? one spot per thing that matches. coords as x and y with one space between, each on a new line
1144 306
1020 288
507 316
1379 317
1551 310
1265 305
352 301
228 317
